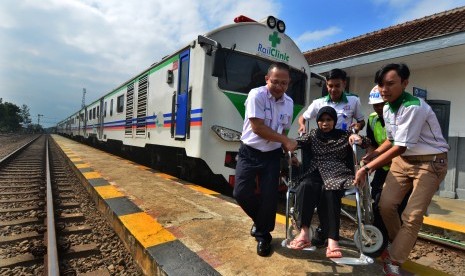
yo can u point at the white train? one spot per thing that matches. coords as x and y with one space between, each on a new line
187 110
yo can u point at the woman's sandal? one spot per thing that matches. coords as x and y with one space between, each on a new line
299 244
333 253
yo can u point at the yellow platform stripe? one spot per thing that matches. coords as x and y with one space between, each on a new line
91 175
419 269
75 159
108 191
142 167
444 224
80 166
349 202
164 175
146 229
280 219
202 189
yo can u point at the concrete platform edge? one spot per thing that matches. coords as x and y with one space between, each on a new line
144 257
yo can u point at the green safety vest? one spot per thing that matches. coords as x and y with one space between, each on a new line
378 130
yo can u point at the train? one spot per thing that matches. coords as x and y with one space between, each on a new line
187 110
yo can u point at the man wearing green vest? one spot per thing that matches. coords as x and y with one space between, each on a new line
377 133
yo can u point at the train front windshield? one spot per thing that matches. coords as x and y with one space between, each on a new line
242 72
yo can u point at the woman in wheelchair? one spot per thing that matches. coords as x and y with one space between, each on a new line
325 178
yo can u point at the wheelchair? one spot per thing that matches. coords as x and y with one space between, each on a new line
368 239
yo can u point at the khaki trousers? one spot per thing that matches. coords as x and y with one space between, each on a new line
424 178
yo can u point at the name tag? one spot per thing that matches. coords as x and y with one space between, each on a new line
282 122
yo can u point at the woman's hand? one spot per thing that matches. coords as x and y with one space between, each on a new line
355 139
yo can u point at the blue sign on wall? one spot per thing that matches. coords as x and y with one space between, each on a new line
421 93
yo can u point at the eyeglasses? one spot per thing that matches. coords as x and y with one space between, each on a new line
280 83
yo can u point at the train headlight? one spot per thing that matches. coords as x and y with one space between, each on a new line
227 134
271 22
281 26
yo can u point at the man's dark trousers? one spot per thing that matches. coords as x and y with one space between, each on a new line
260 207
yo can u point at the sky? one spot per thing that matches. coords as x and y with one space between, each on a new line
51 49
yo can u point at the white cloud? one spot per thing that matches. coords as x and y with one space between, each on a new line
317 35
53 48
424 8
406 10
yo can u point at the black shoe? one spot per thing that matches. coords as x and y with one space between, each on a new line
253 230
263 248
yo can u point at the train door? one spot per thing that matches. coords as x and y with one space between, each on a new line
85 122
182 98
79 118
100 121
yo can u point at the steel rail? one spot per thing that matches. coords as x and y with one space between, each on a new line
14 153
52 255
442 241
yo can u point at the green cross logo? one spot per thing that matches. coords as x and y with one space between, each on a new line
274 39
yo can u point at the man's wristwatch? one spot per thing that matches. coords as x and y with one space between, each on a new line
366 168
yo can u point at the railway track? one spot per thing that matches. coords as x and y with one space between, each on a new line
48 224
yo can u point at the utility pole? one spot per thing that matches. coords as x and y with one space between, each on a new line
38 118
83 103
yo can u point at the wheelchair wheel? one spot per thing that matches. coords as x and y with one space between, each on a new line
372 243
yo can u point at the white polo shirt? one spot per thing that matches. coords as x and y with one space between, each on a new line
410 122
277 115
347 109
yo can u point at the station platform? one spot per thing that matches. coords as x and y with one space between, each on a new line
173 227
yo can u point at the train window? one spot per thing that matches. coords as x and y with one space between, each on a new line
98 113
120 104
105 110
111 107
93 113
184 76
243 72
90 115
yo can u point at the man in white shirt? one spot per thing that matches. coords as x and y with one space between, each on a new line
418 151
268 114
347 105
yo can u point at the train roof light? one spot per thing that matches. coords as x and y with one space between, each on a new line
242 18
271 22
281 26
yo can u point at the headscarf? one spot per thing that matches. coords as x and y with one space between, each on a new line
332 113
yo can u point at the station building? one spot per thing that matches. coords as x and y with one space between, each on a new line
434 49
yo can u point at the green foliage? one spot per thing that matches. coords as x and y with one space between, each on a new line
10 117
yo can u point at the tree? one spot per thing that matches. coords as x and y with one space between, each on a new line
25 115
10 118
